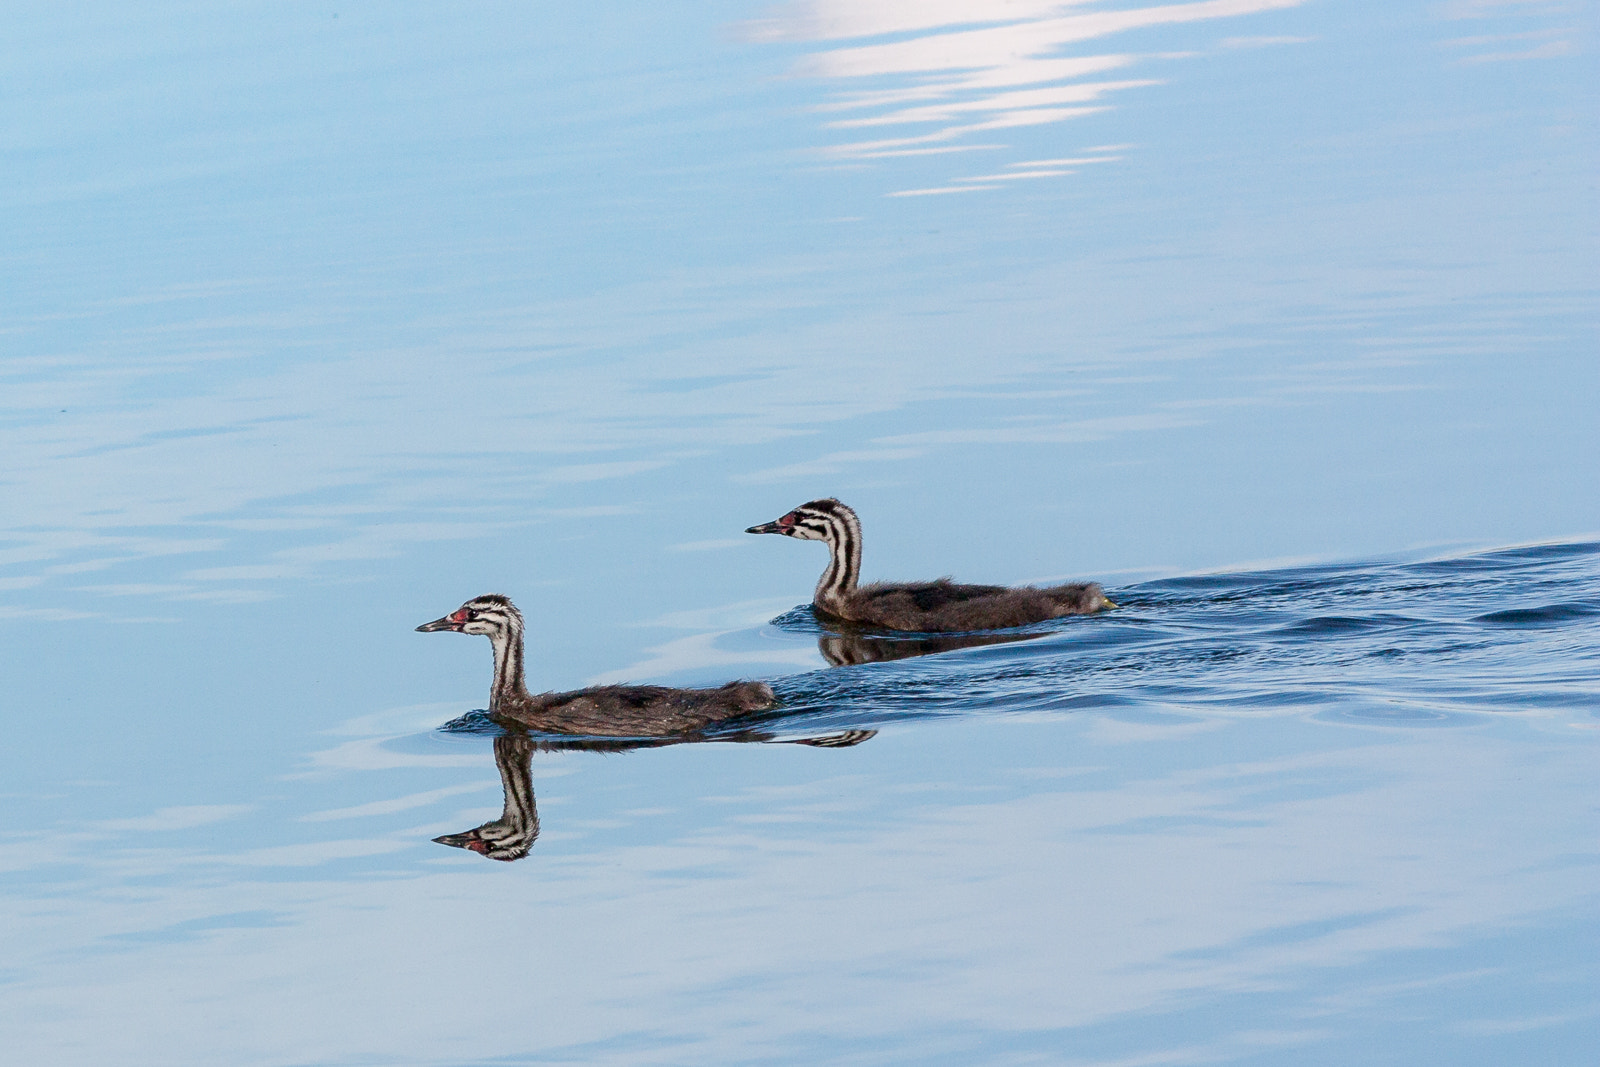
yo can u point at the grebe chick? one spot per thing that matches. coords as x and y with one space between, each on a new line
603 710
929 607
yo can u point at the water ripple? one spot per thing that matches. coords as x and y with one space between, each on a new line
1425 643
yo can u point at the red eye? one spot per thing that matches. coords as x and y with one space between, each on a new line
461 615
789 519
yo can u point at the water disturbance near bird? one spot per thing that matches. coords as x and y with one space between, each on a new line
1422 642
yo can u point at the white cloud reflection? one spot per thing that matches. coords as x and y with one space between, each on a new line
1514 45
727 637
971 67
397 804
703 652
176 818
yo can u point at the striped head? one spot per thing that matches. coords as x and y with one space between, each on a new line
492 615
511 835
829 521
820 520
496 840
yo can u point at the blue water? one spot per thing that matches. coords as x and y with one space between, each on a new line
1278 318
1330 814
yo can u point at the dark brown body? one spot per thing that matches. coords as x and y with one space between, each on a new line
632 710
928 607
945 607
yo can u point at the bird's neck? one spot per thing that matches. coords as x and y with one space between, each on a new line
513 754
509 685
844 565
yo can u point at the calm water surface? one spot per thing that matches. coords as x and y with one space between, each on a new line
1276 317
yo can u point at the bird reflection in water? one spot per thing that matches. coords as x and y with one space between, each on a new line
511 835
849 649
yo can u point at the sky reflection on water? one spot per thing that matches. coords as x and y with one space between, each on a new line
1315 891
315 322
1337 813
1332 323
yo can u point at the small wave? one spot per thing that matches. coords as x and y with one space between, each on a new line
1397 714
1509 560
1326 624
1547 615
799 620
1559 550
474 723
1203 581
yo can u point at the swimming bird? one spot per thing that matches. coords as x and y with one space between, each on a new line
604 710
929 607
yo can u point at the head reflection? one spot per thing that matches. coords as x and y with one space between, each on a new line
511 835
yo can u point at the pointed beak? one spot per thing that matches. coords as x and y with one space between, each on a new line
766 527
468 840
445 623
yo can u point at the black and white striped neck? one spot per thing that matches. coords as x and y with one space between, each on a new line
509 686
511 835
842 532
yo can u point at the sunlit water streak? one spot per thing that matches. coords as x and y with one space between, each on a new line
971 69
